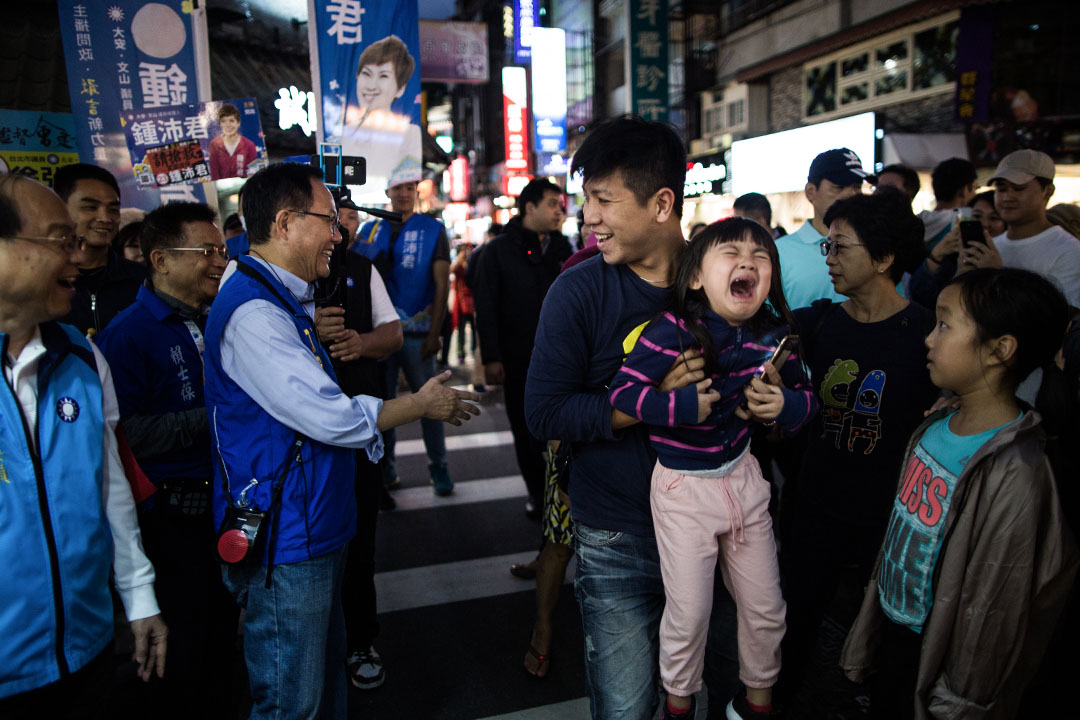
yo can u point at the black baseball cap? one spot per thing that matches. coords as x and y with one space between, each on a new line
841 166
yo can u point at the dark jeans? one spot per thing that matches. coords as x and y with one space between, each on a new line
529 450
80 696
358 588
463 320
893 686
180 540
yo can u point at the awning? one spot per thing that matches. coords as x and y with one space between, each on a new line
923 151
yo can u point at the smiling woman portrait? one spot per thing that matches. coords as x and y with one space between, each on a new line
867 364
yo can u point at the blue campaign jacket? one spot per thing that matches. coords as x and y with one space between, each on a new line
157 369
318 504
407 271
55 609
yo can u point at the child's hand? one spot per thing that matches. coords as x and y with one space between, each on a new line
763 401
688 368
705 399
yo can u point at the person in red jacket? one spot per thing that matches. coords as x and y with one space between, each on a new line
230 152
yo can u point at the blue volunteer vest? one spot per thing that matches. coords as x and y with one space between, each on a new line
318 505
55 608
407 272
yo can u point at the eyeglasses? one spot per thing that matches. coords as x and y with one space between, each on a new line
209 251
833 248
333 220
67 244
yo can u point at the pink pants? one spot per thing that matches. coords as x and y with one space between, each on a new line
697 518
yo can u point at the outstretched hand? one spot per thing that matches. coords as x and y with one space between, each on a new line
439 402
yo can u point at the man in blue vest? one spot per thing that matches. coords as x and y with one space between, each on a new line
284 434
68 515
413 257
154 348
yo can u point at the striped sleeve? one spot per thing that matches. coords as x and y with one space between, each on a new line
634 389
800 402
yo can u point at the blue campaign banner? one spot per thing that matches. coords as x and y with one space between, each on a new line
368 79
195 143
35 144
122 56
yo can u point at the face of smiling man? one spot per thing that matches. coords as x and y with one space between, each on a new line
312 237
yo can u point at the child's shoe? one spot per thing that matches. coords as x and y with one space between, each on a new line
739 709
686 714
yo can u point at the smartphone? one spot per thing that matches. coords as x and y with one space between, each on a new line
787 346
971 231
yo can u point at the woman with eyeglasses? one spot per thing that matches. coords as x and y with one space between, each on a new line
867 363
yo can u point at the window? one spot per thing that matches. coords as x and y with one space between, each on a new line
916 61
736 111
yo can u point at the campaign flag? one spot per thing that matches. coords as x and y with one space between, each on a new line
367 82
35 144
195 143
123 56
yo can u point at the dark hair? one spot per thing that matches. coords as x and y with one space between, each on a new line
534 193
164 226
950 177
647 155
986 196
228 110
389 50
10 220
1011 301
66 176
885 224
277 187
754 203
909 177
496 229
690 305
131 231
231 222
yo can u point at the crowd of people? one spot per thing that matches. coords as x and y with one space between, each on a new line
725 432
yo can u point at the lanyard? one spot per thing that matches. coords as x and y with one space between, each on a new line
196 336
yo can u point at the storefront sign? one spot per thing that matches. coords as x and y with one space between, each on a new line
526 18
367 86
974 61
453 52
705 177
549 89
459 179
35 144
297 108
515 119
647 71
125 56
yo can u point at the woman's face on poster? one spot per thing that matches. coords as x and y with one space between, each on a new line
229 125
376 86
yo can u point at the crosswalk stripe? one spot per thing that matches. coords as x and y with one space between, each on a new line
465 492
578 708
471 441
453 582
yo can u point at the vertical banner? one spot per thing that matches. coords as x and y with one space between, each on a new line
974 58
515 123
526 19
35 144
549 89
367 82
647 70
121 56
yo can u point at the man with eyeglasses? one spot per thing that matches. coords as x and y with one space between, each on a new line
284 433
106 283
413 257
154 348
68 515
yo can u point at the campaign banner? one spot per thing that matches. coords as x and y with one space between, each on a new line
367 82
647 71
124 56
453 52
35 144
195 143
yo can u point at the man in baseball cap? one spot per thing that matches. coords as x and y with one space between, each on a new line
834 175
1023 185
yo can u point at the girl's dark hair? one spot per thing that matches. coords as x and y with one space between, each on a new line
986 196
131 231
690 305
886 226
1011 301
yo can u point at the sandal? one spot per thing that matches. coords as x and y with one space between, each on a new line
543 662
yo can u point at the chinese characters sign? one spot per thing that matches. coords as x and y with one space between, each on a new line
549 89
516 120
973 65
526 17
35 144
126 56
453 52
367 86
647 38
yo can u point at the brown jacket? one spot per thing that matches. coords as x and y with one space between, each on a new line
1001 580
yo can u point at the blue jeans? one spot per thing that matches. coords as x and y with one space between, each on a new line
294 637
418 371
620 592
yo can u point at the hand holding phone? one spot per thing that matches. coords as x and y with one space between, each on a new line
971 231
784 350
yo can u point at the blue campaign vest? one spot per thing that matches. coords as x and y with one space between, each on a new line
408 281
55 609
157 368
318 503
